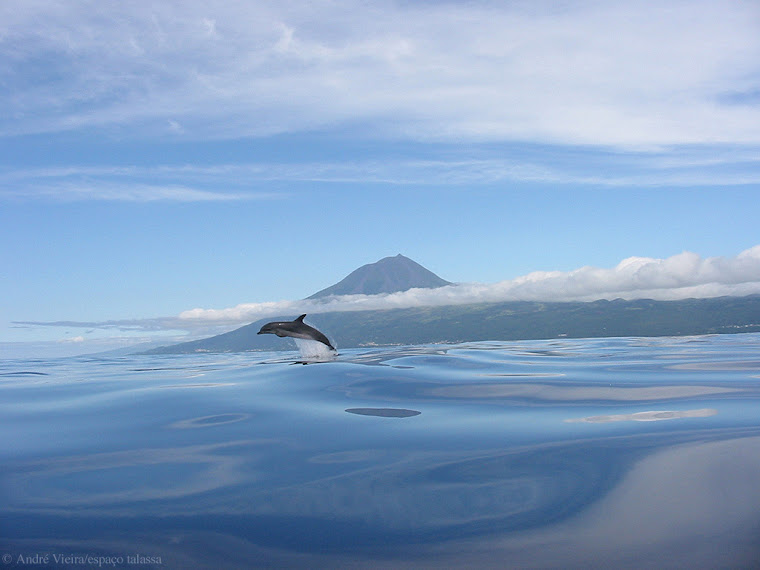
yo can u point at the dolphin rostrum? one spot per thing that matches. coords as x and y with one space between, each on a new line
296 329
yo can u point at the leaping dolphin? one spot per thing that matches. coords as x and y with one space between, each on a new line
295 329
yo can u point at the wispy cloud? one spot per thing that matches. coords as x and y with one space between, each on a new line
127 184
122 325
685 275
198 183
630 74
131 193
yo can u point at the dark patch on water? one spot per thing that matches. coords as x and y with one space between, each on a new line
384 412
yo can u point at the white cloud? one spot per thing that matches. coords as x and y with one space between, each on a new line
73 340
637 73
681 276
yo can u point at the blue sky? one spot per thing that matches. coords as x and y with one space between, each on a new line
157 158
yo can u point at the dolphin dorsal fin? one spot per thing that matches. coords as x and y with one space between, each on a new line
300 319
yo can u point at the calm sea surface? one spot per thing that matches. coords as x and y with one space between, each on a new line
607 453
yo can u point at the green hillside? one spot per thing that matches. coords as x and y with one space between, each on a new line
520 320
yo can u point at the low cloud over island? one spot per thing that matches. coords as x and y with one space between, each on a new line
682 276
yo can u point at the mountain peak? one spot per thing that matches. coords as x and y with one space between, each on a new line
389 275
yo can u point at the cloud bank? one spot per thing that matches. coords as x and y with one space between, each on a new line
610 73
681 276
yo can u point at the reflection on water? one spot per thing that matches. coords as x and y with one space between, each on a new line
205 421
104 479
561 459
647 416
753 365
559 393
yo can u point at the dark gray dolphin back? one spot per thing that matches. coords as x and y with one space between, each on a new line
296 329
317 335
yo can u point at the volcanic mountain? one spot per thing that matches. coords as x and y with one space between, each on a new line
513 320
389 275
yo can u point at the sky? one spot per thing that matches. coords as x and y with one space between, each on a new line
170 170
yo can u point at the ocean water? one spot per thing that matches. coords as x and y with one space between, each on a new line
606 453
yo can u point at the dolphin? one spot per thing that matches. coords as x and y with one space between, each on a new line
296 329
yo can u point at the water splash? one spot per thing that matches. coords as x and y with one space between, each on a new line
314 350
